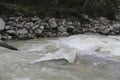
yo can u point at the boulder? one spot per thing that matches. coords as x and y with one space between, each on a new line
52 22
62 29
2 24
70 29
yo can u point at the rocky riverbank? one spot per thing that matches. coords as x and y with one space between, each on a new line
35 27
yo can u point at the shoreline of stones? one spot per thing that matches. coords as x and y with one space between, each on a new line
23 28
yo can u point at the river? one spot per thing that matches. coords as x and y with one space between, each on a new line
78 57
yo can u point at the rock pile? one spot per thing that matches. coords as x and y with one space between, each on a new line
32 27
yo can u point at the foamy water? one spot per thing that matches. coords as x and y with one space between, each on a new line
25 64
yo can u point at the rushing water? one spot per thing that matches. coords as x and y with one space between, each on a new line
79 57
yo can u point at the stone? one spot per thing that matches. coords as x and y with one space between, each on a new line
85 16
76 31
2 24
69 23
25 37
34 19
106 31
0 36
42 27
19 25
38 22
22 31
7 27
103 21
70 29
11 23
77 23
20 19
52 22
29 25
35 27
62 29
37 31
12 18
116 25
64 34
6 37
11 31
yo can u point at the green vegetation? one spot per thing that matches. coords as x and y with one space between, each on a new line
65 7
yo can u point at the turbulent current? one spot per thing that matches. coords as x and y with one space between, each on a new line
78 57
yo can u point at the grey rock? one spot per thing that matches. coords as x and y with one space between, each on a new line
21 19
34 27
25 37
38 22
116 25
0 36
70 29
77 23
6 37
62 29
37 31
2 24
64 34
34 19
11 23
52 22
12 18
19 25
76 31
103 21
45 25
11 31
7 27
69 23
85 16
42 27
29 25
106 31
22 31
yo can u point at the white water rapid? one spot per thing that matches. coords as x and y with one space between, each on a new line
98 58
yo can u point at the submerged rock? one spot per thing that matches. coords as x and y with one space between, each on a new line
2 44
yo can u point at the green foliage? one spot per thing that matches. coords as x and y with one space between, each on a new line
66 7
